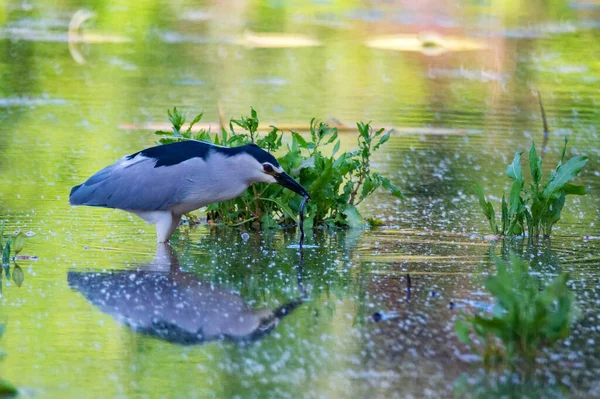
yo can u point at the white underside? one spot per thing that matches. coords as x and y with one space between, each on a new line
165 221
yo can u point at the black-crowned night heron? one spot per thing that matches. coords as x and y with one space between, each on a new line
159 184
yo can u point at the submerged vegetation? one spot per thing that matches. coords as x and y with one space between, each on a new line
527 317
537 209
337 182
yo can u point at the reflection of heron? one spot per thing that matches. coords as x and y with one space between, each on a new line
160 300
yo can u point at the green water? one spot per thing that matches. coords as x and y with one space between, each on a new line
67 111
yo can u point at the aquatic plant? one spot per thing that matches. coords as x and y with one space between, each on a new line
7 390
14 244
336 182
537 208
527 317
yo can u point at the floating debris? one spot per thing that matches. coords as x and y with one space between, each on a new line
428 43
276 40
381 316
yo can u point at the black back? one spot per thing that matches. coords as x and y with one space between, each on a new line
175 153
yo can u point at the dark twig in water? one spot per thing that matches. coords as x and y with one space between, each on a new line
301 248
301 241
545 124
299 271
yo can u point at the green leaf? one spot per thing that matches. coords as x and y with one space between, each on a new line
18 276
385 183
487 209
571 189
552 214
177 119
300 140
461 328
515 198
564 150
383 139
353 218
267 222
196 120
7 389
322 181
334 134
530 226
363 130
18 242
494 326
505 218
6 252
286 209
535 165
368 186
336 148
563 174
514 170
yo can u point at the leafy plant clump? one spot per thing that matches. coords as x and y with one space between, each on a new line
13 244
7 390
537 208
16 243
526 318
336 182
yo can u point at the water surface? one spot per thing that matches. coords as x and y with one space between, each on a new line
79 324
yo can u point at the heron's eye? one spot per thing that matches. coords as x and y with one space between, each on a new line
268 168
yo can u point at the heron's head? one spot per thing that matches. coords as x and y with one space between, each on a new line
267 169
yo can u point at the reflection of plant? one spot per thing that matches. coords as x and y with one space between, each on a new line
337 184
539 207
266 273
526 317
6 388
16 243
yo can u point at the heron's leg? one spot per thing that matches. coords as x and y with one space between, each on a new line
165 221
165 225
174 223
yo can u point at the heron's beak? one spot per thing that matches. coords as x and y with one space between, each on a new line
286 181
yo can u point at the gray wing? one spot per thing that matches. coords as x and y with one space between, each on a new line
133 184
